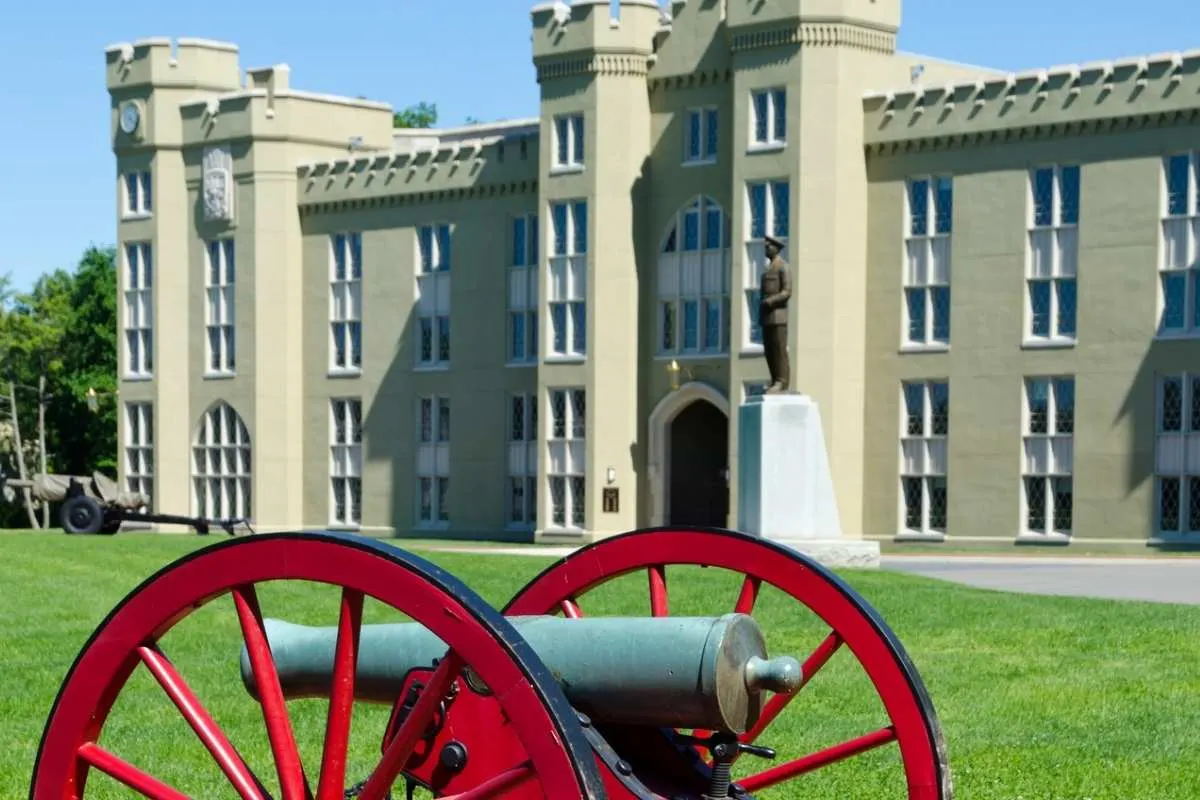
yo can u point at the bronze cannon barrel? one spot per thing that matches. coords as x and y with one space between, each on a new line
685 672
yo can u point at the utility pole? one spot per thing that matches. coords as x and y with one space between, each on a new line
42 439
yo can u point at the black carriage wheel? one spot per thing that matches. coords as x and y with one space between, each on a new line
81 514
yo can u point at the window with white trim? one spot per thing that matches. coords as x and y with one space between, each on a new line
1179 273
433 295
139 448
433 460
566 467
700 137
523 291
925 431
693 281
1053 254
568 141
1047 474
768 206
768 117
221 465
139 310
220 314
345 302
1177 456
522 460
137 194
345 461
928 220
567 276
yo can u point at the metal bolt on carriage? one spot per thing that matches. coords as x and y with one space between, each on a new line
544 698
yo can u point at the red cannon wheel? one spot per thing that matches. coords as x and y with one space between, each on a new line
912 722
478 637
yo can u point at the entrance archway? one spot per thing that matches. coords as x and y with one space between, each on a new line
688 460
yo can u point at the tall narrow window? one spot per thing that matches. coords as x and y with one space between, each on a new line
139 310
568 141
928 224
523 290
1177 456
566 467
1048 494
700 137
433 295
345 302
138 194
925 430
522 460
139 448
221 465
568 279
1179 269
768 117
693 281
220 313
1053 254
433 461
345 461
768 207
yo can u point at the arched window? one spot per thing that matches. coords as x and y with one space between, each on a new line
693 281
221 465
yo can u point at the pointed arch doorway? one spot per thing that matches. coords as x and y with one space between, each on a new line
689 457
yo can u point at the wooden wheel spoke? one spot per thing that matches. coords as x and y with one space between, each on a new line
206 728
499 783
815 761
812 665
413 728
331 784
126 773
748 595
292 781
570 608
659 605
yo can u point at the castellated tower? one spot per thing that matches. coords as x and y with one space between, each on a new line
592 66
218 155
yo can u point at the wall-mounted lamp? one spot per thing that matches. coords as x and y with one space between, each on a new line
610 475
673 370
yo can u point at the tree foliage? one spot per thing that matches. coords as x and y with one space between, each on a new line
421 115
65 328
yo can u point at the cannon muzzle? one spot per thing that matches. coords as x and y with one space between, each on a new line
684 672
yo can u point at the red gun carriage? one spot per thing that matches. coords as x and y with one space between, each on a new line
501 712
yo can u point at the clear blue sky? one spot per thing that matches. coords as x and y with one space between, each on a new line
471 57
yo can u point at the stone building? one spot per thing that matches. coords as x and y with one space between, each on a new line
997 300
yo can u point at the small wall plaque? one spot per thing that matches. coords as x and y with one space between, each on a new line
611 500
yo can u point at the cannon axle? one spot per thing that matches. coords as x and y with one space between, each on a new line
686 672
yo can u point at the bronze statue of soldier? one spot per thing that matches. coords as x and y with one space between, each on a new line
774 291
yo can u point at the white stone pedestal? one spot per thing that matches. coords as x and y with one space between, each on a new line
785 488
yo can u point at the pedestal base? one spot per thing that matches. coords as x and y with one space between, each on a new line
785 487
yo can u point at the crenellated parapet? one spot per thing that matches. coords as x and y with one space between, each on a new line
183 63
425 168
585 38
753 24
1139 92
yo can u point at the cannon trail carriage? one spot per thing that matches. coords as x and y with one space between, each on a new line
544 698
96 504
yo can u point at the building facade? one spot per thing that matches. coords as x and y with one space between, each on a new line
543 328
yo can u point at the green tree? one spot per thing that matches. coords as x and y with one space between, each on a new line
421 115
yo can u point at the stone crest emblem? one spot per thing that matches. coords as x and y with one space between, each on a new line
216 187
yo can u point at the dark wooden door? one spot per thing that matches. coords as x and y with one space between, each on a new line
699 490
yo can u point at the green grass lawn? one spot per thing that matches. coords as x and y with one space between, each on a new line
1041 698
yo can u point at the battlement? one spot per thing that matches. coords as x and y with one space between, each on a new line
183 63
587 26
1161 85
883 15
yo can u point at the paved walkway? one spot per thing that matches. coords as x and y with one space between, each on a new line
1163 580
